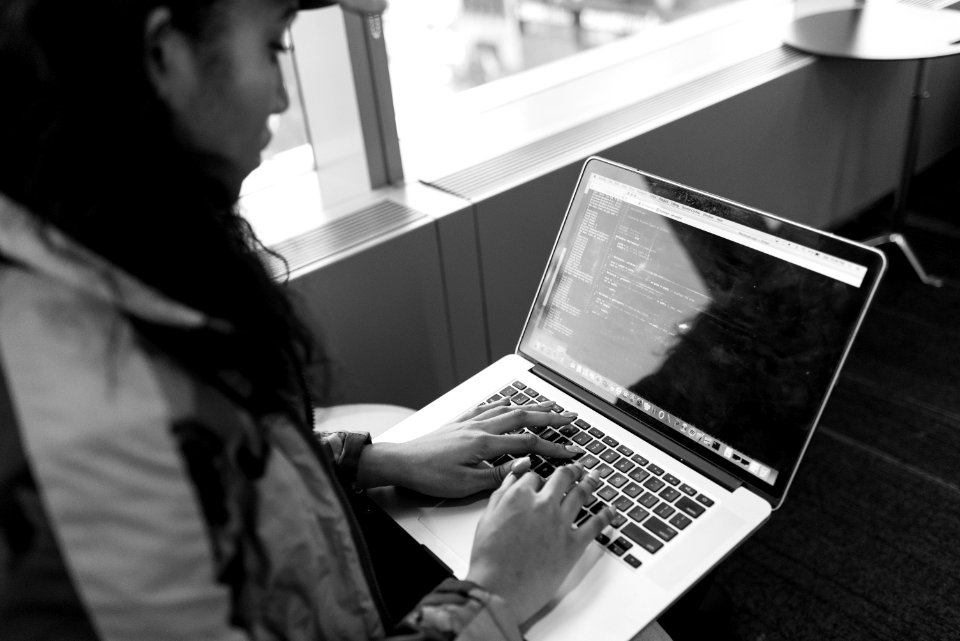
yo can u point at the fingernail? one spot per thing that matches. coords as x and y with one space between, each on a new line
594 478
576 449
569 414
520 466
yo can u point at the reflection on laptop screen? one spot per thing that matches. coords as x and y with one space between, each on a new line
705 319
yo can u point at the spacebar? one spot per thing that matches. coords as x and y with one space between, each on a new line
641 538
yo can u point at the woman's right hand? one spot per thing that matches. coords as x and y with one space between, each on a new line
526 543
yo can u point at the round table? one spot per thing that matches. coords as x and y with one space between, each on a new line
883 30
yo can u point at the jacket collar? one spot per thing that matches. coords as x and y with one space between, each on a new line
26 240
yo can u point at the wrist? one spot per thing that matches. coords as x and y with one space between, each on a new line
380 464
486 579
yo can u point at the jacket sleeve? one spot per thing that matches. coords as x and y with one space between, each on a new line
461 611
453 610
344 450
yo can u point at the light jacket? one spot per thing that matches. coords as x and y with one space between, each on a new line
138 502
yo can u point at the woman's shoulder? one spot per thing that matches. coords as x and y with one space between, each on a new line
66 335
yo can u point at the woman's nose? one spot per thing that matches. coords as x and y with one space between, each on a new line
281 101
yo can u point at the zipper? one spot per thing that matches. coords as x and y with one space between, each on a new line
358 540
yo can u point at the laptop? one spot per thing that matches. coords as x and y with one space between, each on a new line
698 340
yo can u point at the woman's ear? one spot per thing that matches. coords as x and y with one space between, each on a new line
169 59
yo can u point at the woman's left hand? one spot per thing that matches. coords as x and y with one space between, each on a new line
451 461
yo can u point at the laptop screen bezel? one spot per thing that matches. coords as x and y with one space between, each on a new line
871 258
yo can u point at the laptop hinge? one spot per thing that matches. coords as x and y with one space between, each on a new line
644 431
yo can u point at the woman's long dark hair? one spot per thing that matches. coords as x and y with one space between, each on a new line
86 146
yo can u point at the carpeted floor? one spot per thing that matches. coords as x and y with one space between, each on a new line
867 544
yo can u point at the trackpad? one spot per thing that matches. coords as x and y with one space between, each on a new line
454 523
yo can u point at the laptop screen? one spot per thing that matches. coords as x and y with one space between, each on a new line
719 326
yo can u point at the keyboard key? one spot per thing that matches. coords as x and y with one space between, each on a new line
520 399
669 494
519 385
656 470
542 399
664 511
494 398
659 528
604 470
549 435
607 493
686 489
623 504
582 438
556 409
532 393
616 549
603 539
545 469
704 500
639 460
638 514
641 538
632 560
618 520
508 392
569 429
582 424
649 500
680 521
689 507
653 484
595 447
626 451
609 440
624 465
632 490
623 543
617 480
594 431
671 479
589 461
639 475
610 456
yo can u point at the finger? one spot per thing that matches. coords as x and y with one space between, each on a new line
500 411
486 412
527 416
475 412
529 481
517 468
528 443
492 411
561 480
550 449
509 474
595 524
577 497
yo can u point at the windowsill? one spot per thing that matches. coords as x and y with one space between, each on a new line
487 121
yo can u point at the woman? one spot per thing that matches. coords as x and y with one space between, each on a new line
158 475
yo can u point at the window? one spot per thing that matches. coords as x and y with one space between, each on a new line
451 57
316 160
469 80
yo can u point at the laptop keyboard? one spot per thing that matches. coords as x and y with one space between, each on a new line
653 506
